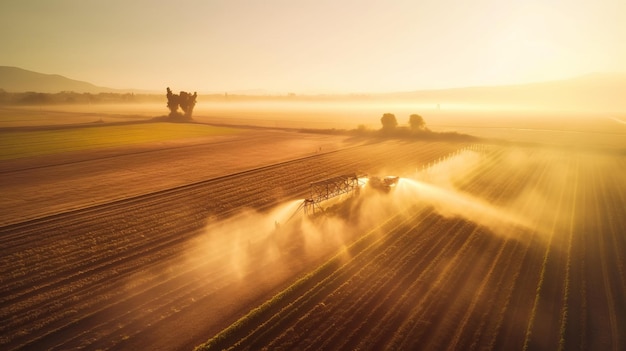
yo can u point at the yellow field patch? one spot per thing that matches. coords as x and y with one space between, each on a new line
18 144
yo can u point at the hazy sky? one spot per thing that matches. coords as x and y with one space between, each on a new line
313 46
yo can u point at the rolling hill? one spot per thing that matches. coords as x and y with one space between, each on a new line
597 91
15 80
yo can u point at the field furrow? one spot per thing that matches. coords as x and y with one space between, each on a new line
85 268
478 247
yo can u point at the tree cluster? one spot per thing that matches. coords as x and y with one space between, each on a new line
185 100
416 129
390 123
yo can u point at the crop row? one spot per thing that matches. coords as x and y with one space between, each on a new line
68 271
555 282
441 234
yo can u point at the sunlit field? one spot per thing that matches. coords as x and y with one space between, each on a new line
23 116
313 175
555 126
493 248
20 144
510 240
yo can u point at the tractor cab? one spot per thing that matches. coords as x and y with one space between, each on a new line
383 184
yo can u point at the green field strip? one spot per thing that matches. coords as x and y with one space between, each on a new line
19 144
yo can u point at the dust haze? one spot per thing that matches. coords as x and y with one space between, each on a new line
252 242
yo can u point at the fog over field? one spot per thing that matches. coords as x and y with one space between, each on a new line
558 125
503 230
312 175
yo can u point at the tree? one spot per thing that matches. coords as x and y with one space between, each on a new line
417 122
185 100
172 102
389 121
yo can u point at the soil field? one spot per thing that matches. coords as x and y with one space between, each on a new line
166 245
544 271
167 269
38 186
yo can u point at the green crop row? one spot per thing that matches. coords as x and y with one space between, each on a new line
18 144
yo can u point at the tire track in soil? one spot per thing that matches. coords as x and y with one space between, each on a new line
569 229
610 306
541 331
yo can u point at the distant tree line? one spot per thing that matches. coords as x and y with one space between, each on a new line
415 129
70 97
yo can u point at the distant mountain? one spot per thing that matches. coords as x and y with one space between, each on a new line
15 80
597 91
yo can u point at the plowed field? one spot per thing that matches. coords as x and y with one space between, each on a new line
538 265
167 269
477 247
